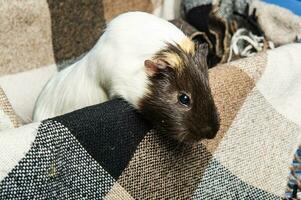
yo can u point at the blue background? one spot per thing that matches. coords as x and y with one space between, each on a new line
293 5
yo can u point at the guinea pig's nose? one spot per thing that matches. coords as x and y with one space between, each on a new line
209 132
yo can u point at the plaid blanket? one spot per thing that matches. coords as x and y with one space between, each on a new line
38 33
108 151
38 37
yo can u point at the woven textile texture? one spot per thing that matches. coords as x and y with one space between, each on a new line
108 151
38 33
8 117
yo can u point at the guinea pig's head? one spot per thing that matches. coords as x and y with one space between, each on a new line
179 101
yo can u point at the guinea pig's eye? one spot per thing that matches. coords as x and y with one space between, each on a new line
184 99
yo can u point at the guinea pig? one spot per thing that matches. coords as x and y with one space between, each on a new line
152 65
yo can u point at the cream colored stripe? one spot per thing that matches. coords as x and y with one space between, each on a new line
259 145
117 192
280 83
25 35
5 122
22 89
167 9
15 143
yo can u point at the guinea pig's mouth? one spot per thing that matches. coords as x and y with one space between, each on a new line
187 136
189 139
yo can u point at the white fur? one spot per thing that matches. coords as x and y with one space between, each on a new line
115 65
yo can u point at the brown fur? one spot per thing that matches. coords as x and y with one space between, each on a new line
188 74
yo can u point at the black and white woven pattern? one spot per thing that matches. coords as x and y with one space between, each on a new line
80 159
57 166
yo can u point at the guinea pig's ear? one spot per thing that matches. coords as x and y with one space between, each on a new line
154 67
203 49
202 52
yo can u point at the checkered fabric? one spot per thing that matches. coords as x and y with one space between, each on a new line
38 33
39 37
108 151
